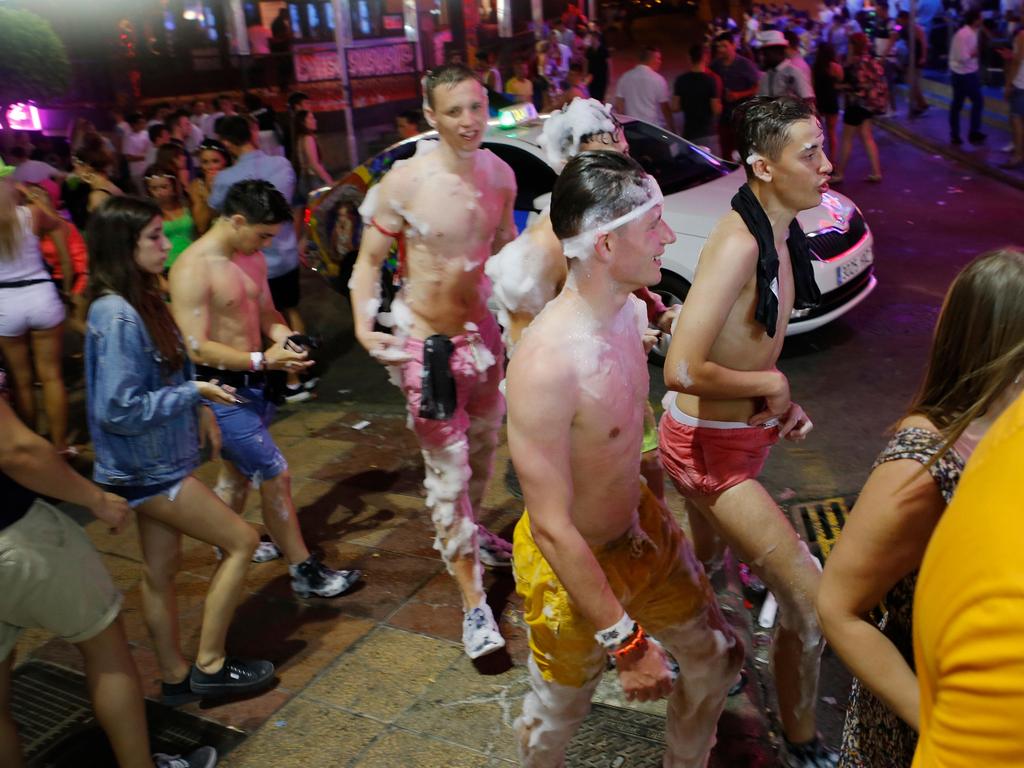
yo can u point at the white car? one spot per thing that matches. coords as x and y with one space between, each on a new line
698 188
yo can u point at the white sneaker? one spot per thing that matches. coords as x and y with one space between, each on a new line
480 634
204 757
266 551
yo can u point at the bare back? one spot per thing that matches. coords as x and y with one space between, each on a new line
742 343
598 403
449 223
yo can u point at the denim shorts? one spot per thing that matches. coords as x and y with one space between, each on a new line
137 495
1017 102
245 439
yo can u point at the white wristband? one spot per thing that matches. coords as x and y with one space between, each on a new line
615 635
255 361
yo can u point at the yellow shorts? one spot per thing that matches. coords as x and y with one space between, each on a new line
651 570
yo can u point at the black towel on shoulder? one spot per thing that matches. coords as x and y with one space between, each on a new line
806 289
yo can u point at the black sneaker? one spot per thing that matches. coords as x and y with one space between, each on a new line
977 138
813 754
176 694
311 577
204 757
237 676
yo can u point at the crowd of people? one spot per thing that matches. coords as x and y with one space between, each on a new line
179 258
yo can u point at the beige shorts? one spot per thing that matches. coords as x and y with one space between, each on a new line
52 578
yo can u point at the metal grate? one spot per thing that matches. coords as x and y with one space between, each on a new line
611 737
55 722
820 522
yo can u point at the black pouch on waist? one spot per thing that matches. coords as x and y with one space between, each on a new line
437 397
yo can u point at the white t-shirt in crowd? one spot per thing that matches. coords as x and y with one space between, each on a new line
34 172
963 51
787 79
137 143
643 91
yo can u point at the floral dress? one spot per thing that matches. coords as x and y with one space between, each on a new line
873 736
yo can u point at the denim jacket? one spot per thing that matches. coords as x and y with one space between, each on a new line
143 422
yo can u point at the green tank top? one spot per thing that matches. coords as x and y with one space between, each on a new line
181 232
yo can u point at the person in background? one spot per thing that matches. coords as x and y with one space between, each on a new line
213 158
184 131
597 56
164 188
858 117
918 104
173 155
148 420
967 386
77 601
28 171
158 137
490 74
1015 98
575 85
31 312
135 148
740 78
827 75
964 66
519 87
310 173
781 76
643 93
73 281
698 95
407 124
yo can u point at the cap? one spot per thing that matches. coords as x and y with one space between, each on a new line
771 38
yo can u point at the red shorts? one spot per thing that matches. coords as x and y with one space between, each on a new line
704 458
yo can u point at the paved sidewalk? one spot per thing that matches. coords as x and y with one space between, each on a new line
378 678
930 131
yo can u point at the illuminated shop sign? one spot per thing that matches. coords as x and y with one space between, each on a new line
23 117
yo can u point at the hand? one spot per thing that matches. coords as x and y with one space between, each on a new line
795 425
215 393
650 338
284 357
776 404
384 347
668 317
209 430
647 677
111 509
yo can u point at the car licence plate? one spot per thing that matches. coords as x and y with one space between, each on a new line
850 269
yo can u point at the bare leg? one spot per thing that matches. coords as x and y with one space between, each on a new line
868 138
116 696
844 152
759 533
232 487
198 513
10 748
281 519
47 353
19 367
552 713
707 544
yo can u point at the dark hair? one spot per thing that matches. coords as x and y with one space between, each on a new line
762 125
449 76
174 117
826 55
300 123
792 39
648 52
252 102
133 117
94 153
412 116
113 239
725 37
593 180
217 101
858 43
971 16
155 130
215 146
161 170
234 128
19 152
697 52
295 98
258 201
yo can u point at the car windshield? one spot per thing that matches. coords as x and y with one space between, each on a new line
676 164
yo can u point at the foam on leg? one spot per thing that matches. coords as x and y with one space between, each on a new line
446 481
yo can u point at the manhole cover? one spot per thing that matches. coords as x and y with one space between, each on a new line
57 729
611 737
819 522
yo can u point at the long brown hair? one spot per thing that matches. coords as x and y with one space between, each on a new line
978 348
10 222
113 237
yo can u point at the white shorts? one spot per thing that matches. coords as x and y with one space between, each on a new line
34 307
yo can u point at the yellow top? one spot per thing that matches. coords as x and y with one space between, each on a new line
969 613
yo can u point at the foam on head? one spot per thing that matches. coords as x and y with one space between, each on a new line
600 221
564 129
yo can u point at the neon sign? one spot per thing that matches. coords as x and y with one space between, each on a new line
23 117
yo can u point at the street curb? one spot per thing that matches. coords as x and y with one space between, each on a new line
941 148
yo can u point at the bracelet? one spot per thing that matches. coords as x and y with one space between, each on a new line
256 361
635 646
615 635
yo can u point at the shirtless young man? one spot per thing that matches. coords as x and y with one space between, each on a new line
734 404
600 562
530 271
222 304
449 209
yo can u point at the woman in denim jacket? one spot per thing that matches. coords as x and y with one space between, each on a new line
142 411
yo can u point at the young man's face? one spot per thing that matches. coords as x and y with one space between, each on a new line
636 249
800 174
249 238
724 50
460 114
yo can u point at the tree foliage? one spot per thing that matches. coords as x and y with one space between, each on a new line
33 63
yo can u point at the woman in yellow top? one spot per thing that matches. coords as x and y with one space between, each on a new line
969 611
967 386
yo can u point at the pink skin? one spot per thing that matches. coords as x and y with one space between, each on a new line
460 115
153 246
163 191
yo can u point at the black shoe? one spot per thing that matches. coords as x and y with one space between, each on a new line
204 757
311 577
176 694
977 138
237 676
956 141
